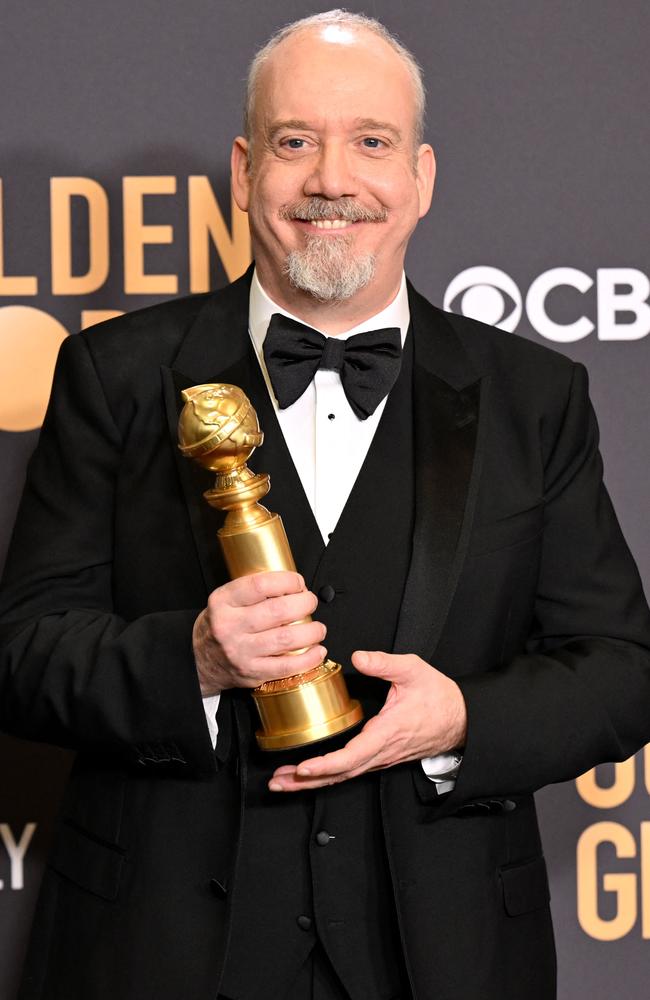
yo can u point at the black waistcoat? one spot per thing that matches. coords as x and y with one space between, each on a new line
312 865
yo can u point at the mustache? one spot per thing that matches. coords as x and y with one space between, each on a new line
316 208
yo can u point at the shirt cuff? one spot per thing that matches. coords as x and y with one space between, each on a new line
210 706
440 769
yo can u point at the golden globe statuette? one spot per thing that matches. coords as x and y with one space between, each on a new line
219 429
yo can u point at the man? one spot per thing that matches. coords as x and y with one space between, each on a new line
456 545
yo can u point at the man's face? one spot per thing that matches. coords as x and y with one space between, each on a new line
335 186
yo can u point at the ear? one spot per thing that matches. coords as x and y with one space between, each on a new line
425 175
239 172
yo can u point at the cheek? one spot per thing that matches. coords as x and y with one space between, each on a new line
275 187
267 198
397 192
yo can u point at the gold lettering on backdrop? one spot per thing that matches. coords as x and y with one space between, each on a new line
15 285
622 884
137 235
62 191
30 337
645 879
207 227
625 885
29 343
610 796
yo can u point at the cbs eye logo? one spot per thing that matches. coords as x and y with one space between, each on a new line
487 294
620 309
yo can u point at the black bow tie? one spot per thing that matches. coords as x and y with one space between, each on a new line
368 363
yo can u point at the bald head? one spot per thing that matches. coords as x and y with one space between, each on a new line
335 29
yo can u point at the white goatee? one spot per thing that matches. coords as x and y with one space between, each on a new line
328 269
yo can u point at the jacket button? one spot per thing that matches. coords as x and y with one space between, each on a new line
327 593
304 923
323 838
509 805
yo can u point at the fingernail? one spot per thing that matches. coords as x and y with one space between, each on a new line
304 772
275 786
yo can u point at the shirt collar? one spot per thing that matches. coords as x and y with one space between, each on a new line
261 308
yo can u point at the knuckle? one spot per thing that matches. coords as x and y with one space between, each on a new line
286 666
268 613
216 631
257 584
249 676
229 648
281 611
284 638
216 598
219 630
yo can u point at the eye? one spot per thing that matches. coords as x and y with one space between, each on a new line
294 143
372 142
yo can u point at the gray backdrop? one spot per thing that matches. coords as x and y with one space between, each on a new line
538 113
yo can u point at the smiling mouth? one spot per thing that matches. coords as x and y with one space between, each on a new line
327 216
329 223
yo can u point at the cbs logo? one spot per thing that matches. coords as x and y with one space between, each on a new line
490 295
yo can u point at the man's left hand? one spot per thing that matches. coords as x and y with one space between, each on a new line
424 715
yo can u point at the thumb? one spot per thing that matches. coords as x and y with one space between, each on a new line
378 664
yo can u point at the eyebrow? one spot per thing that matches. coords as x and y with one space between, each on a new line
288 123
370 124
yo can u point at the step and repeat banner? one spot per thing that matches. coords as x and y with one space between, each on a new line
115 132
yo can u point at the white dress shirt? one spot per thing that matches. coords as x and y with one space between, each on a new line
328 443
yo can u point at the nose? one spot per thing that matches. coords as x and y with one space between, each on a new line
333 175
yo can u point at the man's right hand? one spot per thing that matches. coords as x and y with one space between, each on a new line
245 635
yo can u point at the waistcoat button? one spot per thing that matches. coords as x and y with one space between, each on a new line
323 838
327 593
304 923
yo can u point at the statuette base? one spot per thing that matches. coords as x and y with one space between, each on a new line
305 708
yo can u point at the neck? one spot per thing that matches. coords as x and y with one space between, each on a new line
331 318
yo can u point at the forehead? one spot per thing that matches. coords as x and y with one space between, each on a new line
329 76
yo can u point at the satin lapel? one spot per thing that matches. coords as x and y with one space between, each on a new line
287 496
449 408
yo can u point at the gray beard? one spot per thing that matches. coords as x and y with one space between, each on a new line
328 269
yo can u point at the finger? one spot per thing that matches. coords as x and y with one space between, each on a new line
286 770
282 610
271 668
286 779
285 639
292 782
389 666
247 590
358 753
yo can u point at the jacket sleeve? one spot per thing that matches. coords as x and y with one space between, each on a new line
579 694
72 672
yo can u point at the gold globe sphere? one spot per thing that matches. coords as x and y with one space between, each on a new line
218 427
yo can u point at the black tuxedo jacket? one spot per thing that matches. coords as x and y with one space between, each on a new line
520 587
